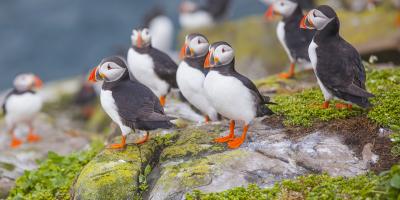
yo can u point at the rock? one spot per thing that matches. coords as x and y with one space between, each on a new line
5 186
189 160
13 162
116 174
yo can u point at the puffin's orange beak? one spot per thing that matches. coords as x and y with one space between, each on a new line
38 82
183 52
207 61
303 22
92 76
139 41
269 14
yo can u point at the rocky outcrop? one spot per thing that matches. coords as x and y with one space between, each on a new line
188 159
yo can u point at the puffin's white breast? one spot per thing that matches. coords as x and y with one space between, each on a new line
230 97
195 20
312 52
142 68
190 82
23 107
108 103
280 32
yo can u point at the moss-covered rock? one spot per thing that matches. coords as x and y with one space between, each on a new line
192 142
115 174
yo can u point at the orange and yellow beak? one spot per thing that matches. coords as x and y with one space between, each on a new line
269 14
185 50
38 82
211 60
306 23
94 75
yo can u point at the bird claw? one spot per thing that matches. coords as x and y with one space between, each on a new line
15 143
116 146
33 137
143 140
223 139
235 143
343 106
286 75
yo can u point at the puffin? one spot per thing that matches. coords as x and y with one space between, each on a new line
233 95
21 105
191 74
337 64
295 41
161 29
150 66
130 104
194 16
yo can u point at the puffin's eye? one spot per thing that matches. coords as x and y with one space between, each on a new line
223 50
109 67
198 41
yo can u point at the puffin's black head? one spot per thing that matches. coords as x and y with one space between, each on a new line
284 8
141 37
25 82
319 18
219 54
110 69
196 45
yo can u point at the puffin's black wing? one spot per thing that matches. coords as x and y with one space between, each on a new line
217 8
9 93
261 100
164 66
343 73
139 107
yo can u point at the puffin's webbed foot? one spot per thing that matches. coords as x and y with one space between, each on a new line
325 105
229 137
290 74
344 106
162 101
118 146
235 143
33 137
15 142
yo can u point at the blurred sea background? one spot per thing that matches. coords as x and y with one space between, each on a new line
63 38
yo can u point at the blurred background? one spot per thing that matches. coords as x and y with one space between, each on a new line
63 38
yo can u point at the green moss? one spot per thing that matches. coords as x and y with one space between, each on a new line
385 84
191 142
304 108
197 172
304 187
54 177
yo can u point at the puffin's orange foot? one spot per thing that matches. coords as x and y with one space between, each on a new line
235 143
344 106
15 143
116 146
33 137
224 139
286 75
207 119
325 105
162 101
143 140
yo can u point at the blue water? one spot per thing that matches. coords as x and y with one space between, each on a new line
61 38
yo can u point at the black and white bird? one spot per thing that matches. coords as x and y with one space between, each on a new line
191 74
150 66
337 64
233 95
21 105
194 16
161 29
130 104
294 40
